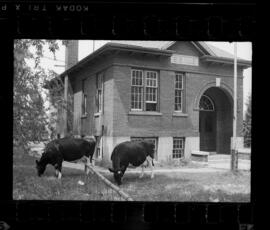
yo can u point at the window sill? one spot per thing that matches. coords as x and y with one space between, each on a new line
97 114
144 113
179 114
84 116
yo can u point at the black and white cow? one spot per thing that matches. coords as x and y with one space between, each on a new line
135 153
65 149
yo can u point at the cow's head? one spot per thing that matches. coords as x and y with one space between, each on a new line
117 174
40 168
150 148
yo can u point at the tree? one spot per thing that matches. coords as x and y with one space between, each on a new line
29 115
247 123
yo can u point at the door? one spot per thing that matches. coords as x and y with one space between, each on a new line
207 129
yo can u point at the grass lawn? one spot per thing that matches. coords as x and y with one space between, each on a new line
28 186
178 186
173 186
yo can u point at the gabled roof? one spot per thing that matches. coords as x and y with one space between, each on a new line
146 44
209 52
203 47
219 52
206 49
111 46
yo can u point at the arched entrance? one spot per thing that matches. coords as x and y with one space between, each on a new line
215 121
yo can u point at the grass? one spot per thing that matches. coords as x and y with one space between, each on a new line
195 187
173 186
28 186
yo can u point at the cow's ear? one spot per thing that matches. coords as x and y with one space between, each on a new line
111 170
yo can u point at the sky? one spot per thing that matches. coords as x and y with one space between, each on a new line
244 51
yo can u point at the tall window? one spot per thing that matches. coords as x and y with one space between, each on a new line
178 147
84 98
99 79
144 90
137 90
151 91
150 139
179 89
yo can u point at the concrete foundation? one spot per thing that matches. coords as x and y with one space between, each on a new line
165 147
192 144
239 143
199 156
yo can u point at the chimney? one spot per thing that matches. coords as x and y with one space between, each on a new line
71 54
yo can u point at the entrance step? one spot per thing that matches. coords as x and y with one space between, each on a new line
201 156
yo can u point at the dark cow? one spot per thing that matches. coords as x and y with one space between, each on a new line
65 149
134 153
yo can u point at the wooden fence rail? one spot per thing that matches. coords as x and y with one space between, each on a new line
115 189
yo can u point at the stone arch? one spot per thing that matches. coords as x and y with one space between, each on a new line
215 128
223 86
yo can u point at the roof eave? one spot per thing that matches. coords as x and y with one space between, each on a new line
115 46
240 62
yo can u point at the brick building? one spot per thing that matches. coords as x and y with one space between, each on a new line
177 94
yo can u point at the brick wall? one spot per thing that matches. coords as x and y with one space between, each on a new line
88 125
165 124
117 120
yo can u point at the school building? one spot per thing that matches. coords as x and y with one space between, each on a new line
177 94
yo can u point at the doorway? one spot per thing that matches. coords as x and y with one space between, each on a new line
215 121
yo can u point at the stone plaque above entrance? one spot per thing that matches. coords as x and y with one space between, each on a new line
184 60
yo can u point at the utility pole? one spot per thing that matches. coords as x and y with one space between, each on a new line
234 153
65 105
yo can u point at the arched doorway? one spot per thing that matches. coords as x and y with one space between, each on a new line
215 121
207 124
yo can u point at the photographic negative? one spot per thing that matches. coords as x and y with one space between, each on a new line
164 116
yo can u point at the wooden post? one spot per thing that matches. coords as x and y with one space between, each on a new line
234 160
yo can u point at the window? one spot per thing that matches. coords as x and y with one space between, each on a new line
144 90
136 90
178 147
84 98
206 104
179 89
151 91
151 139
99 80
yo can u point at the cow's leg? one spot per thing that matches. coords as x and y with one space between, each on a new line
58 171
86 166
58 168
92 161
150 161
142 173
123 171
